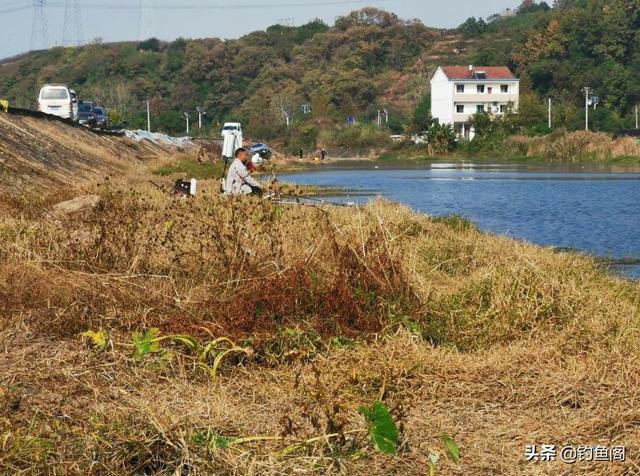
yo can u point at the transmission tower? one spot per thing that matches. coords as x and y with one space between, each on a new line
39 34
145 27
72 32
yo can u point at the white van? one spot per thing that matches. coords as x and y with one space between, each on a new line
229 127
232 135
55 99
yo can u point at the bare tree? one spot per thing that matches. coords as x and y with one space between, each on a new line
284 105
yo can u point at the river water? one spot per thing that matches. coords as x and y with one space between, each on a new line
596 211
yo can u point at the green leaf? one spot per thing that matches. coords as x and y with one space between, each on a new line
341 342
219 441
185 339
146 343
213 440
452 448
382 429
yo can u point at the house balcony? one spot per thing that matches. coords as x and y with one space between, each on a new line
484 98
466 117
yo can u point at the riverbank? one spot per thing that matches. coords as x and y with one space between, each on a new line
569 148
560 147
495 342
566 206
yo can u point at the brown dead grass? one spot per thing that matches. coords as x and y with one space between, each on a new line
578 145
497 343
37 155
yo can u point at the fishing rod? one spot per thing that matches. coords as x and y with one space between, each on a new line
298 200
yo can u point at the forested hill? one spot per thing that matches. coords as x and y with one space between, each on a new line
368 60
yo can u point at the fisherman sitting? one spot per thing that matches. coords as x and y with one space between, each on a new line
239 180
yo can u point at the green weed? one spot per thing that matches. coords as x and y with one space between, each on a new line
383 431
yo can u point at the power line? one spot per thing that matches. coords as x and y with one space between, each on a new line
253 6
72 29
17 9
19 4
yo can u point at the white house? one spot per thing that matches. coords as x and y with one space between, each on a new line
459 92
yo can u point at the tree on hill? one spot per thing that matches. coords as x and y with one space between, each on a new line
529 6
351 68
472 27
152 44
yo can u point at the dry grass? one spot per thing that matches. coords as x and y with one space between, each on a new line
496 342
575 146
37 155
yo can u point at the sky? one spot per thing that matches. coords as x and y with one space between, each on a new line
118 20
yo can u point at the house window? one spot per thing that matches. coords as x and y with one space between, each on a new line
459 88
503 108
504 88
489 90
460 108
480 108
480 88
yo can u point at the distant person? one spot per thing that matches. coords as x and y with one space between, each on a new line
323 154
239 180
301 153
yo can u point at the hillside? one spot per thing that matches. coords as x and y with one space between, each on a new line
362 57
366 61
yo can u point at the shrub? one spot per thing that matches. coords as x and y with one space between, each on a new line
440 139
302 137
152 44
358 137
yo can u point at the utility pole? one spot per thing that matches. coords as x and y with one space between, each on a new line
586 90
187 117
201 113
636 116
549 113
148 117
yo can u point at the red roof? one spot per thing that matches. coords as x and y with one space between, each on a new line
491 72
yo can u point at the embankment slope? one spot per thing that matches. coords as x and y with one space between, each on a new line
37 153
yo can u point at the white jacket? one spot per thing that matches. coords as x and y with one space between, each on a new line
238 179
